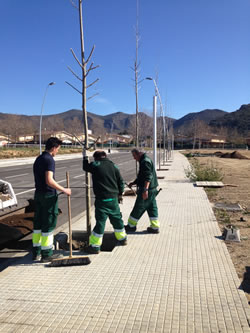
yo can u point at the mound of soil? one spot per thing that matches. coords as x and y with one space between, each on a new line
234 154
225 155
238 155
218 153
15 227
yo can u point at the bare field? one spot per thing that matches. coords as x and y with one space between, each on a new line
235 172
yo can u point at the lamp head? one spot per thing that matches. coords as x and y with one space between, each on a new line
51 83
149 78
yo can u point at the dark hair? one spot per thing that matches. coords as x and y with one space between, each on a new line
135 151
99 154
53 142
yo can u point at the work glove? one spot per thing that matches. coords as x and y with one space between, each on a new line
131 184
84 155
120 199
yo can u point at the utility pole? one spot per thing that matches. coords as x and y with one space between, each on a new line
155 131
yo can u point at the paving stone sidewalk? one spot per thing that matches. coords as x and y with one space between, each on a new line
181 280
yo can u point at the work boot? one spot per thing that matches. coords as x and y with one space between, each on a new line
91 250
36 257
50 258
150 230
129 229
122 242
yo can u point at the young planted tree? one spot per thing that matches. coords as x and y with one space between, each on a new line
136 70
83 79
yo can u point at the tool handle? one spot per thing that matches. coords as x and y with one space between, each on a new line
69 214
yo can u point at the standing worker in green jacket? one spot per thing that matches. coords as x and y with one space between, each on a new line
108 187
147 183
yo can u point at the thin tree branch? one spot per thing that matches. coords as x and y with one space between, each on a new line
92 96
73 4
74 74
94 67
76 58
91 68
73 87
90 55
91 84
78 140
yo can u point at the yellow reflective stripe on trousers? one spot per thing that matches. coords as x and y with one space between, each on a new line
132 221
120 234
47 240
36 238
95 239
154 224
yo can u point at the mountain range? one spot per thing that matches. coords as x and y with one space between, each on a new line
214 120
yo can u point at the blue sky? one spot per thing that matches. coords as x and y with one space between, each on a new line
198 49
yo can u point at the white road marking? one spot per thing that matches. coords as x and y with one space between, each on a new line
33 189
24 174
123 163
79 176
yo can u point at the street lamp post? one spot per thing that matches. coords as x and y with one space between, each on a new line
155 131
40 127
155 120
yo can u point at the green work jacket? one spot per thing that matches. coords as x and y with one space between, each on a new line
106 178
146 173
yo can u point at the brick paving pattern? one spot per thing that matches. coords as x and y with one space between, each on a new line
181 280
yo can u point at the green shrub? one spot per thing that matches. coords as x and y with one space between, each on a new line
198 172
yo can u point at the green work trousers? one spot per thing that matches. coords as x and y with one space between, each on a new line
107 208
141 206
46 212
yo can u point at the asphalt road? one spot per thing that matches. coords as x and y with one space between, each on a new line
22 181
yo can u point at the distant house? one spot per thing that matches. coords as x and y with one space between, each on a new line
26 138
4 140
213 142
117 139
206 141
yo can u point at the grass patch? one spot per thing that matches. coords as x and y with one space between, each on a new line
211 192
30 152
222 216
188 155
208 172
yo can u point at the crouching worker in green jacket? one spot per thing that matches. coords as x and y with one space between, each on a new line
147 183
108 187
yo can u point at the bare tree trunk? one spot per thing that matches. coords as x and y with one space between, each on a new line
136 70
85 118
136 78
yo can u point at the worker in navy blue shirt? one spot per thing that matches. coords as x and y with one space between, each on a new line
46 202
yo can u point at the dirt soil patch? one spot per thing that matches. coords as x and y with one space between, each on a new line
234 154
236 171
15 227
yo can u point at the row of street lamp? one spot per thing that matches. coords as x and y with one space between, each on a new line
154 120
157 93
